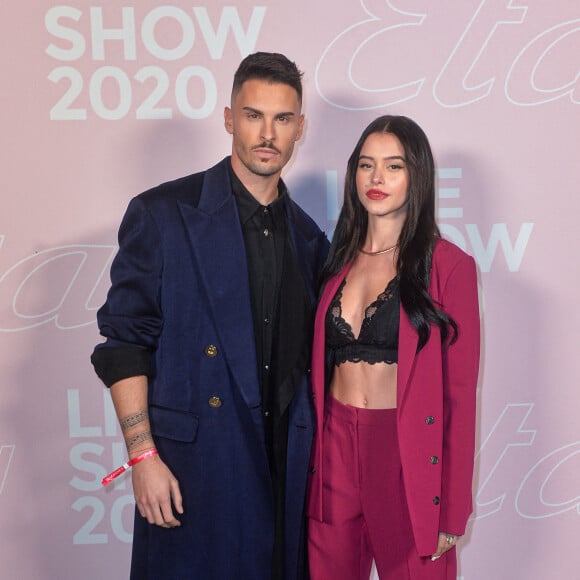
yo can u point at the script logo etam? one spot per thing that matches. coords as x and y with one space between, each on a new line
458 64
64 285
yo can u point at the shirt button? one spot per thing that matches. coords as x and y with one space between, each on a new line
436 500
266 413
267 320
211 350
429 420
214 402
434 459
266 232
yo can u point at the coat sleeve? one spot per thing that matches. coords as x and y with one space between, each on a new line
131 318
460 376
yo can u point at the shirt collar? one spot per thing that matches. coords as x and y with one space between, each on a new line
248 205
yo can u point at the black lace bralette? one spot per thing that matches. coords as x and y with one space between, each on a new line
378 339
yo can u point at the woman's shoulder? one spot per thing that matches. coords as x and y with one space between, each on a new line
446 255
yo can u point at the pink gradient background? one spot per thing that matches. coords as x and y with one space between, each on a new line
495 86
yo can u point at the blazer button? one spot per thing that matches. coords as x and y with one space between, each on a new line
436 500
211 350
434 459
429 420
313 470
214 402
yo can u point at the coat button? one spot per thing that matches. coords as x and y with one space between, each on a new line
434 459
313 470
436 500
214 402
211 350
429 420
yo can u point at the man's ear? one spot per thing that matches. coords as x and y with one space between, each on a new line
228 121
300 128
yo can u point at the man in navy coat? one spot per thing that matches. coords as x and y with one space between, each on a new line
208 328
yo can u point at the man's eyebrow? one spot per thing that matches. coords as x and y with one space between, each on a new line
252 110
258 112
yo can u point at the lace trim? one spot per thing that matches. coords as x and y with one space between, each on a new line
342 325
368 353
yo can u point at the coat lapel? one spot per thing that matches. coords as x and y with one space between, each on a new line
217 245
305 250
408 340
318 358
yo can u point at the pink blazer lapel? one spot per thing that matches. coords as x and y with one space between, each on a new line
408 340
318 357
314 503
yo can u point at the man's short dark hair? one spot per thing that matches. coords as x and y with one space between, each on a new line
271 67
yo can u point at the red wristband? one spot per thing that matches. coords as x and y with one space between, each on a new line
114 474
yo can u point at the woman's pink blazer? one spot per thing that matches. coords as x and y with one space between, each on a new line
436 395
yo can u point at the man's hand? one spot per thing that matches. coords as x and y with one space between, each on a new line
154 486
156 489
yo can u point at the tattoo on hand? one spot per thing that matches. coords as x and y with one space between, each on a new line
133 420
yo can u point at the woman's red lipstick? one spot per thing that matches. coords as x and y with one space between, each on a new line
376 194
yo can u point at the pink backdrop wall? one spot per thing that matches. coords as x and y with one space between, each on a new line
100 102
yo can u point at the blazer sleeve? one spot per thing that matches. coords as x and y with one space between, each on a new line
131 318
460 376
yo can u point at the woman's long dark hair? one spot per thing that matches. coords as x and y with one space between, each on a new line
419 232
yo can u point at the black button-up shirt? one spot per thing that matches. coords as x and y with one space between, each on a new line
264 229
282 318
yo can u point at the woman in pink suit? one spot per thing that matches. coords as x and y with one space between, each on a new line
395 365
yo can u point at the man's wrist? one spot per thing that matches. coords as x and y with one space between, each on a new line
115 473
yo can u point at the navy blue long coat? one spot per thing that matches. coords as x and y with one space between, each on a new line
180 291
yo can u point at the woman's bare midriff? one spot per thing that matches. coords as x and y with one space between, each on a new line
364 385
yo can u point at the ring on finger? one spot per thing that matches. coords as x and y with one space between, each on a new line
450 539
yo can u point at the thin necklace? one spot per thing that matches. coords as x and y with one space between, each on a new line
385 251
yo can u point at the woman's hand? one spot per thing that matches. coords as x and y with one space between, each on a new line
444 543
